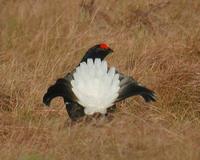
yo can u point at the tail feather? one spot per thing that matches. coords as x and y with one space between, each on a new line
149 96
60 89
129 87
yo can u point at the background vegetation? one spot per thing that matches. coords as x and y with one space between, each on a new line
155 41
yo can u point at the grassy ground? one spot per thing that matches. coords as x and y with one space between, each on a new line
156 41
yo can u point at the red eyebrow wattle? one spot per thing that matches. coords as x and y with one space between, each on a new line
104 46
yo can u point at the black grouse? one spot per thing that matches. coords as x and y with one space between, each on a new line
92 87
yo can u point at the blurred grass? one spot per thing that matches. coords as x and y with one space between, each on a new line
157 42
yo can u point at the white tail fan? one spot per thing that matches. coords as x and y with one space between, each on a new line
95 86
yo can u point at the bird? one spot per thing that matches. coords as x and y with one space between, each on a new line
93 87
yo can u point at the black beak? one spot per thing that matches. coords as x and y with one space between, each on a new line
110 50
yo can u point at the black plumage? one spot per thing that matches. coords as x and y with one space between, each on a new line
63 88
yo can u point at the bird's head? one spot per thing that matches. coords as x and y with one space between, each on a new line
98 51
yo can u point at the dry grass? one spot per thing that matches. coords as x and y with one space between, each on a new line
155 41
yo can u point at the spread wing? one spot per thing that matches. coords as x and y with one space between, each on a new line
74 110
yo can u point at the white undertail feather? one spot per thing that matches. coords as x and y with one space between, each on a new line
95 86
